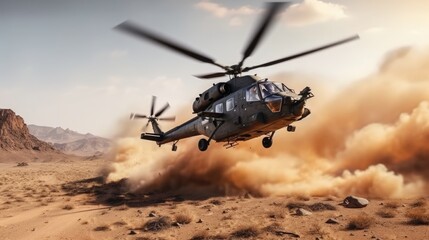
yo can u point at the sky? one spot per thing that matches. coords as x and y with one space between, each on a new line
62 64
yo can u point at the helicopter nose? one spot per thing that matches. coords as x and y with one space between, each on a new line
298 108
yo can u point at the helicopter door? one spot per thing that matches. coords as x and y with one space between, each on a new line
240 107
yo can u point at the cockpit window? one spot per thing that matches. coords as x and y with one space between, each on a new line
252 94
219 108
269 88
283 87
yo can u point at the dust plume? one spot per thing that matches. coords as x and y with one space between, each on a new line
369 139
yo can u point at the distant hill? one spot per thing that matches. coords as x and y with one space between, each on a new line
57 135
71 142
15 136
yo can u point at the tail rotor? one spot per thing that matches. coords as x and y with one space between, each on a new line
154 117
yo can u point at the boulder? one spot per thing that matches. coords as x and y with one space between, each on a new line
302 212
355 202
331 221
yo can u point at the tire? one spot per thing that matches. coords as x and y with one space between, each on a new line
267 142
203 144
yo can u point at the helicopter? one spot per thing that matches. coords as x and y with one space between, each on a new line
240 109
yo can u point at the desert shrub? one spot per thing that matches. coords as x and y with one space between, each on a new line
246 232
68 207
419 203
294 205
275 229
321 232
120 223
315 207
417 216
321 207
392 205
206 236
158 224
216 202
102 228
184 218
360 222
22 164
386 213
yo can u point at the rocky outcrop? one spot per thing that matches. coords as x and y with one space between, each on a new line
15 136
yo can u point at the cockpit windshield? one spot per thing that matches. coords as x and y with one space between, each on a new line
262 90
269 88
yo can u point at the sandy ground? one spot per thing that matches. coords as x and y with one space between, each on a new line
67 200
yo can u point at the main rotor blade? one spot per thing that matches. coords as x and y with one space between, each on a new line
167 119
162 110
152 108
139 116
135 30
272 10
355 37
211 75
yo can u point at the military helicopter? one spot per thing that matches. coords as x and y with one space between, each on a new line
242 108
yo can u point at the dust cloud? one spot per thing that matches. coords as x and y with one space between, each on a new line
368 139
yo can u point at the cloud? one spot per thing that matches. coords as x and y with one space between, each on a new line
312 12
233 15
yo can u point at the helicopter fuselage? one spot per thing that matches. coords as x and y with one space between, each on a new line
252 107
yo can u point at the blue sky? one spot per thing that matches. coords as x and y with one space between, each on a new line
61 64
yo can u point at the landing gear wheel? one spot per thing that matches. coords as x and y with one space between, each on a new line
291 128
267 142
203 144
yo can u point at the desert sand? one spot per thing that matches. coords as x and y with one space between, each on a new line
372 143
69 200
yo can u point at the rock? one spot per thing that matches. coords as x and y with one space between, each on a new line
176 224
152 214
355 202
292 234
331 221
281 233
303 212
200 221
132 232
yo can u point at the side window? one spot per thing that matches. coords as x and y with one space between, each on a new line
252 94
219 108
229 104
